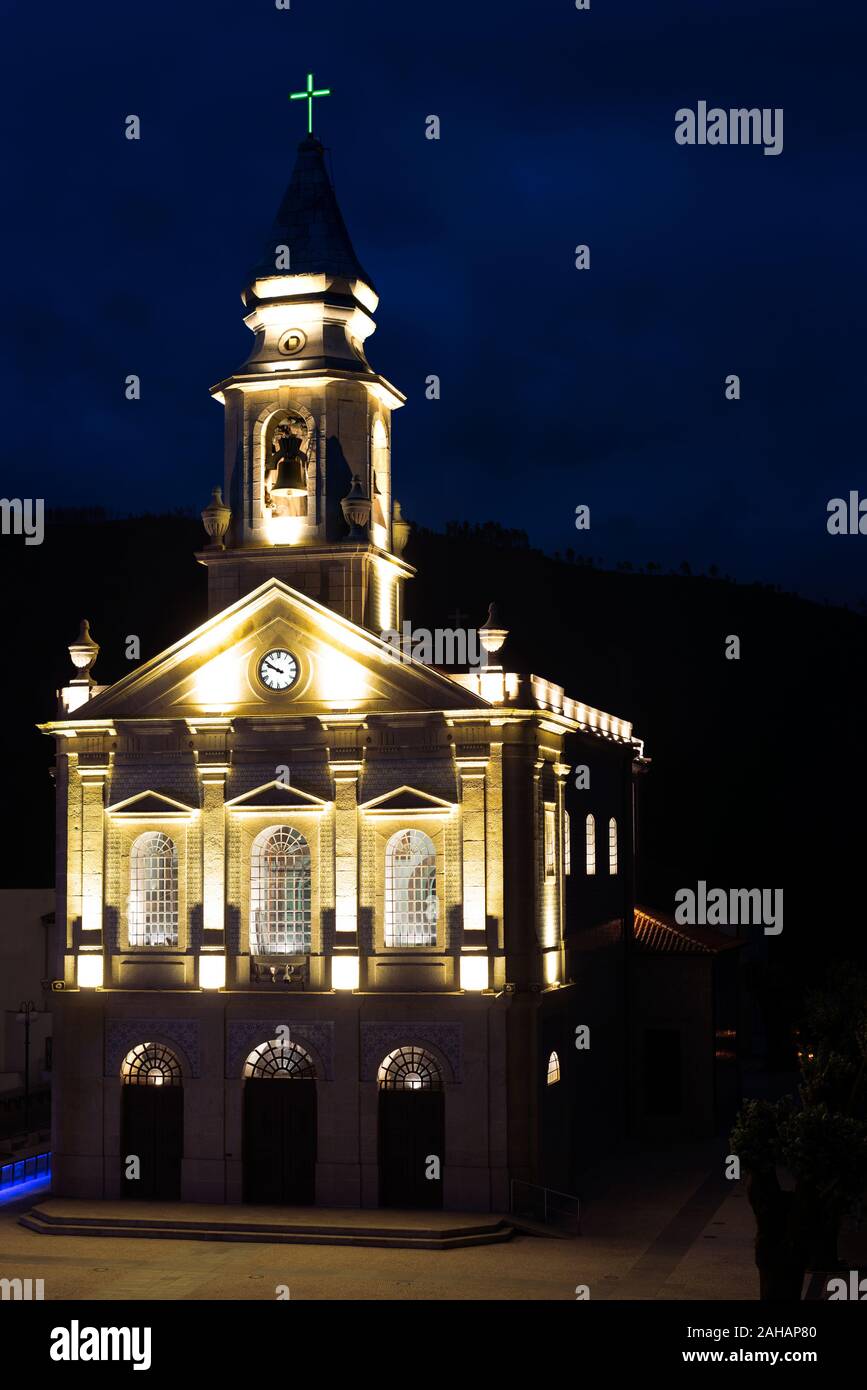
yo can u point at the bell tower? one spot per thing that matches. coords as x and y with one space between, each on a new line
307 495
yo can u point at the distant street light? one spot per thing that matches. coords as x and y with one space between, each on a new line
25 1013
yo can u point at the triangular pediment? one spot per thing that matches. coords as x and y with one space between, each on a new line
276 796
150 803
405 799
338 667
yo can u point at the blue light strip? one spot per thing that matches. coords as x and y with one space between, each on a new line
24 1174
22 1189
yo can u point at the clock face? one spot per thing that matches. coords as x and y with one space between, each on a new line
278 669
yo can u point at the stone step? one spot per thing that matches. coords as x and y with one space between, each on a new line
278 1234
287 1226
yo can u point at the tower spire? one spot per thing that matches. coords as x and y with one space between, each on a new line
310 225
307 477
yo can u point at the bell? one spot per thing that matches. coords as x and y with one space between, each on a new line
291 480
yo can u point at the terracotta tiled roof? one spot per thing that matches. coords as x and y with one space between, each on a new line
659 934
592 938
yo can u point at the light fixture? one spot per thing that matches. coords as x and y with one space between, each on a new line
344 972
212 972
474 972
89 972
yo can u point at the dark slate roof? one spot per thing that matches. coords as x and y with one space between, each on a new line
659 934
277 794
152 803
407 799
311 224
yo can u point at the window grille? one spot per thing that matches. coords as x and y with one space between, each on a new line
151 1064
567 843
612 846
279 1060
411 907
153 895
409 1069
280 893
553 1069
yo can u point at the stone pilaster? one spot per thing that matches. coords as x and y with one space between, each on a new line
73 853
562 771
213 858
346 849
92 853
541 894
494 847
472 773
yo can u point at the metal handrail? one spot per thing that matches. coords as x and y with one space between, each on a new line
549 1209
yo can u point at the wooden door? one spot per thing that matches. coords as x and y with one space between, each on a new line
411 1132
280 1141
152 1129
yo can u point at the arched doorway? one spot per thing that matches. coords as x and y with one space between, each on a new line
411 1129
279 1125
152 1124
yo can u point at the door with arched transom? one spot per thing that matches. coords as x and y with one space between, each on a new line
411 1130
152 1124
279 1125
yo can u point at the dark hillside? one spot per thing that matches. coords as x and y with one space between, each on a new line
757 763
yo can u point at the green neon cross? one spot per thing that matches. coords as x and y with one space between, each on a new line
308 97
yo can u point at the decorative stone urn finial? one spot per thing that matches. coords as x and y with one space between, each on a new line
215 519
400 529
492 634
356 510
83 653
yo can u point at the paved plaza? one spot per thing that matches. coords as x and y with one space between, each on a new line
664 1227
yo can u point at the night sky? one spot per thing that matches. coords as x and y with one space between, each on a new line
559 387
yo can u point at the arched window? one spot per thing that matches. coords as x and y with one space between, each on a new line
612 846
409 1069
553 1069
280 893
151 1064
153 891
279 1060
567 843
379 499
410 890
550 841
591 844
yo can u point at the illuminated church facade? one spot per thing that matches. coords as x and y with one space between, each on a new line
330 920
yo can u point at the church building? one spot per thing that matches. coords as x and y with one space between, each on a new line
335 924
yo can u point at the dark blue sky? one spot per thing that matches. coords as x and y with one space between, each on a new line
558 387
